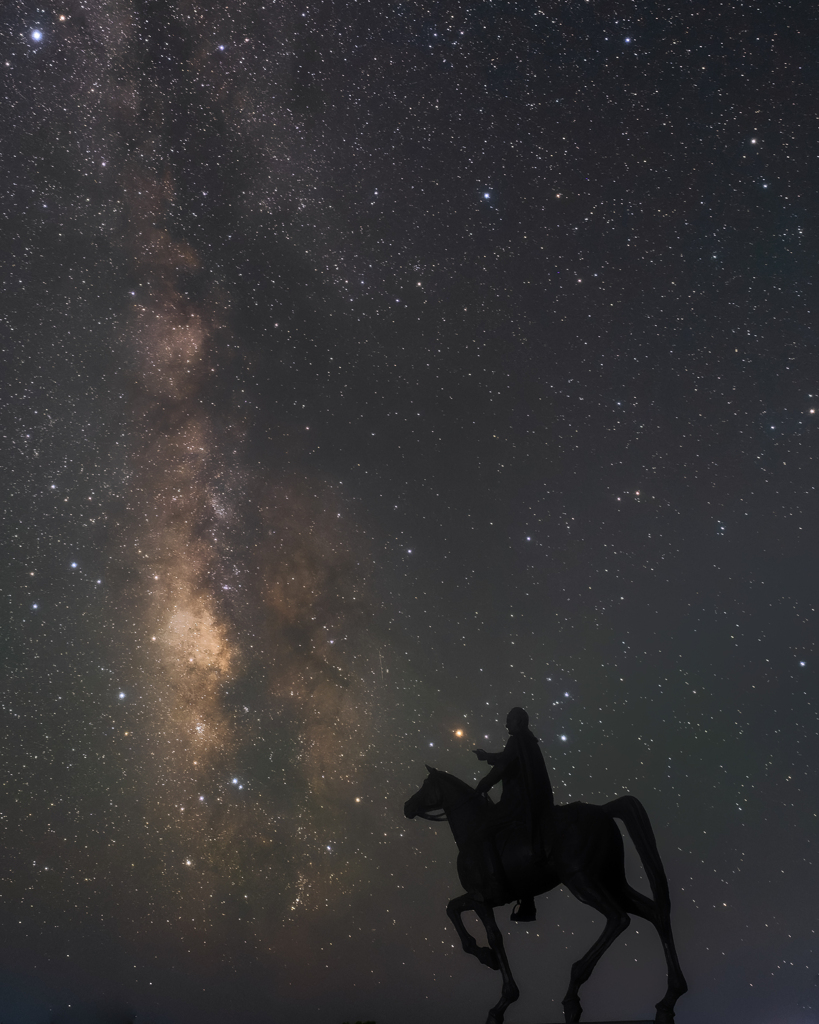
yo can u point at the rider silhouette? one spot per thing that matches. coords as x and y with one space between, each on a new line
527 792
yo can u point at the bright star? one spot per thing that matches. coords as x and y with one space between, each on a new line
36 35
122 696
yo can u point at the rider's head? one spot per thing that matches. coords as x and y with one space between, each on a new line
517 720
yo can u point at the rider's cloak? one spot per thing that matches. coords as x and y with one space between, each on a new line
527 792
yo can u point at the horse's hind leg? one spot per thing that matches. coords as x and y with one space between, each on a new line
642 906
617 920
455 909
510 990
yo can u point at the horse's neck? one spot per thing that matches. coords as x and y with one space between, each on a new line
464 813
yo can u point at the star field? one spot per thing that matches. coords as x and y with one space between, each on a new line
369 369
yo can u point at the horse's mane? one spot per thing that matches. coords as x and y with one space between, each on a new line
463 787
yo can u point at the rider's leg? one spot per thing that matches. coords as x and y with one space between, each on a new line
496 865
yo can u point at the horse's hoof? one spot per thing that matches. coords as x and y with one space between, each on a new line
665 1015
488 958
572 1010
495 1017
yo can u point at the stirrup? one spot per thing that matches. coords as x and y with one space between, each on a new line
524 910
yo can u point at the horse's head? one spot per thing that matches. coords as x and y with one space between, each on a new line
427 799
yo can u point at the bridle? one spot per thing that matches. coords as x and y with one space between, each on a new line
430 816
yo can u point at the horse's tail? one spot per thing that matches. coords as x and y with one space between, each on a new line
634 817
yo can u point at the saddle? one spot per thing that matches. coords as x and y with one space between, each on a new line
515 862
519 851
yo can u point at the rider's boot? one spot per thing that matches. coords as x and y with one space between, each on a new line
525 910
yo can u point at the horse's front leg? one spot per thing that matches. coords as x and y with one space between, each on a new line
510 990
455 909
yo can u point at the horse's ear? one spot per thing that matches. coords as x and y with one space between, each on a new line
430 770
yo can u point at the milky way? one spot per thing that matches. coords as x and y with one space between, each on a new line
247 593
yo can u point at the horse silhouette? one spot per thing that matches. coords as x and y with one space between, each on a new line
584 853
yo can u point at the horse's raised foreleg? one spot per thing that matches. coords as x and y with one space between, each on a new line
617 920
642 906
510 990
455 909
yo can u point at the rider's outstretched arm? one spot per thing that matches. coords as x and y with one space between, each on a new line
505 756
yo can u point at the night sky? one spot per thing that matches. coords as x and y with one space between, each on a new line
369 368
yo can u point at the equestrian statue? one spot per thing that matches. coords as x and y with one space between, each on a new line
524 845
